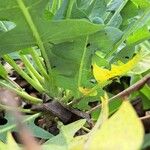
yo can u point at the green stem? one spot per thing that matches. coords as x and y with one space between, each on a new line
4 107
23 74
54 6
33 76
37 61
59 3
23 94
86 129
116 13
13 83
31 68
69 10
82 63
28 17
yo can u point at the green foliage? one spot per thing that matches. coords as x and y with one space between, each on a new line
10 126
114 132
59 41
65 137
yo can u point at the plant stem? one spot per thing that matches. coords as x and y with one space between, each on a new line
23 94
54 6
37 61
31 68
117 12
86 129
69 9
4 107
33 76
81 68
23 74
13 83
34 30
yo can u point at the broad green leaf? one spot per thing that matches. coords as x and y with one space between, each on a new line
127 16
106 39
124 55
139 36
140 21
116 15
32 29
99 56
71 70
122 131
29 120
102 75
64 138
95 10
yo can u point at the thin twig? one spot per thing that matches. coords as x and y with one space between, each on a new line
138 85
145 117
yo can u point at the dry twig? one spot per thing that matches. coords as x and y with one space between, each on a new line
135 87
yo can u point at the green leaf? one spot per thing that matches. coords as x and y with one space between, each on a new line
11 126
146 143
64 138
70 69
38 131
141 20
128 14
33 29
123 130
94 10
139 36
106 39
